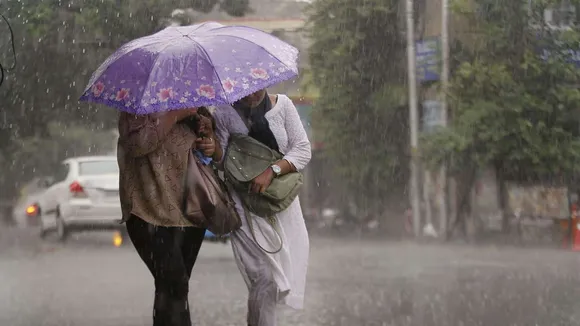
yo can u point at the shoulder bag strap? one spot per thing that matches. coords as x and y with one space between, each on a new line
250 218
272 222
244 120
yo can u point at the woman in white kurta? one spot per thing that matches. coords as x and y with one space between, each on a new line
278 278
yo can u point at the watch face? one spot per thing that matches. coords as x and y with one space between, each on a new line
276 169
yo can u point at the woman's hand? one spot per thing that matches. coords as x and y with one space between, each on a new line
206 145
262 182
206 122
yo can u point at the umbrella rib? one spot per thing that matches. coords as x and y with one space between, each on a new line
151 71
262 47
104 69
235 37
211 62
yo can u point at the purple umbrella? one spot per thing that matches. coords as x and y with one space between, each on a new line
191 66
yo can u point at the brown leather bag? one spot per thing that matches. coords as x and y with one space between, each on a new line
208 194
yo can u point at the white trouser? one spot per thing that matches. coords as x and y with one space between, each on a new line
256 271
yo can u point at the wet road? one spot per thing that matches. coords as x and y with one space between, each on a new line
88 282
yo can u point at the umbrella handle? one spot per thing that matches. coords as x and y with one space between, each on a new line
193 124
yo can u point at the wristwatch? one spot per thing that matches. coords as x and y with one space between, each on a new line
277 169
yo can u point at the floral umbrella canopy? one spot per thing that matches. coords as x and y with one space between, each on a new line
191 66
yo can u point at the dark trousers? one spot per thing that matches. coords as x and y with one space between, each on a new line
169 253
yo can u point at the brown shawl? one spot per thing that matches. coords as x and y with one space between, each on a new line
152 164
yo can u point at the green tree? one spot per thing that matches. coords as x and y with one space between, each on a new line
514 98
114 23
357 48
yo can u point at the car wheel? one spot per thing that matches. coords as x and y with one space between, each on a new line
42 233
61 230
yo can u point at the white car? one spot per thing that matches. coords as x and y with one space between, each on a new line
84 195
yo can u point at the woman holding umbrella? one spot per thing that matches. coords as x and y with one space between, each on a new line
157 82
151 164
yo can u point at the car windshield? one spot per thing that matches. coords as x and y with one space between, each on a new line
98 167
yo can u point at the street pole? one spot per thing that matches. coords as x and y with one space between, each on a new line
428 228
444 90
413 120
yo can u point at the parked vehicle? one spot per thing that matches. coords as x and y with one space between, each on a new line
83 195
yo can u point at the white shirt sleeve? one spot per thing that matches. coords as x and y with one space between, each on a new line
299 148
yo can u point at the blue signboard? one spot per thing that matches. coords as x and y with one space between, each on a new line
572 56
428 54
563 50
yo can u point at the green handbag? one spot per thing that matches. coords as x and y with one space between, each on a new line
245 159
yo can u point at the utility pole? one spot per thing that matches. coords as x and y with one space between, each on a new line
442 193
427 183
413 120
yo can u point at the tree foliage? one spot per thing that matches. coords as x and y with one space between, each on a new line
357 47
514 96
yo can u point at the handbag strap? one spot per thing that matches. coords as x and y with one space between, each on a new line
244 119
271 221
186 189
